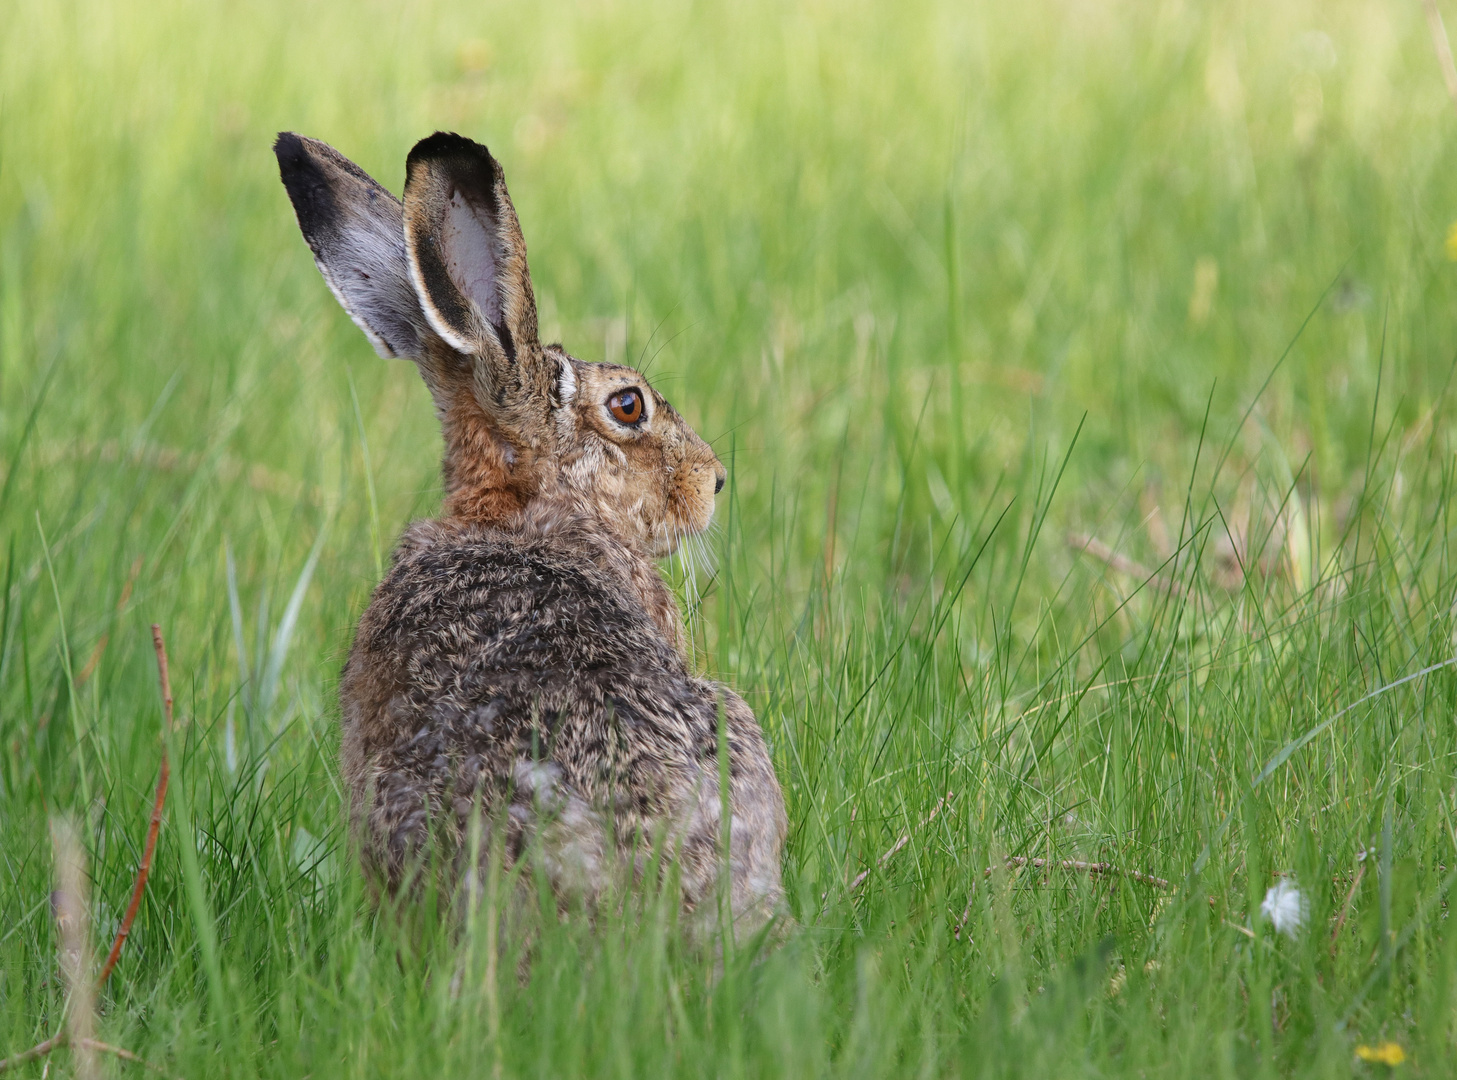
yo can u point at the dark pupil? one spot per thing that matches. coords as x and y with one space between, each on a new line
627 406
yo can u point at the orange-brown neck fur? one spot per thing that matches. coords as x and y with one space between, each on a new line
485 481
488 482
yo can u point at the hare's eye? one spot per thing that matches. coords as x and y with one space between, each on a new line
626 406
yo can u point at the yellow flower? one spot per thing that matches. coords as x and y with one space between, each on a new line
1452 242
1387 1053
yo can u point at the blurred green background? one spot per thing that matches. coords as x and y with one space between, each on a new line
952 288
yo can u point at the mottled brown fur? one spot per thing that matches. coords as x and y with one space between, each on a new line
523 663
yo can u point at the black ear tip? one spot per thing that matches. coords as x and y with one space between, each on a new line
288 143
446 146
304 172
292 153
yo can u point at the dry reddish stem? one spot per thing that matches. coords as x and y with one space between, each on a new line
140 885
138 888
1094 868
38 1050
125 1055
902 842
1086 868
41 1049
1122 563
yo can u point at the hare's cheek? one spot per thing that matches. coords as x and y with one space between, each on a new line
697 498
709 484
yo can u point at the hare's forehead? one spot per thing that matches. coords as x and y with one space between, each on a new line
598 380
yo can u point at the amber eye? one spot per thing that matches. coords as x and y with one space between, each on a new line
626 405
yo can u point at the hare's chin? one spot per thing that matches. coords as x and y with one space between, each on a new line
667 543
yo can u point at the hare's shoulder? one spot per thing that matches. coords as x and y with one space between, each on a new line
480 642
487 596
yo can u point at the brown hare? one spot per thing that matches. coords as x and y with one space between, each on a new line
523 660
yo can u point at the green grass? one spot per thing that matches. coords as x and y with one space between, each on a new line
944 283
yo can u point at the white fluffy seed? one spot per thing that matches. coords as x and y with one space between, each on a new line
1286 907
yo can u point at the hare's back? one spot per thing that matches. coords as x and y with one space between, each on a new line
478 651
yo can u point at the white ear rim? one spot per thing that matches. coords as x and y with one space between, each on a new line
473 265
437 321
381 346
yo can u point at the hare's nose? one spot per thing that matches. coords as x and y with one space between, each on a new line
717 484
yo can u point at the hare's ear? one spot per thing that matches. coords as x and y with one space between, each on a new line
467 257
356 231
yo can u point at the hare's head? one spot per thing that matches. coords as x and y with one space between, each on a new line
443 281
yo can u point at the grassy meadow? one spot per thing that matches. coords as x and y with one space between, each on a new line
1084 373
